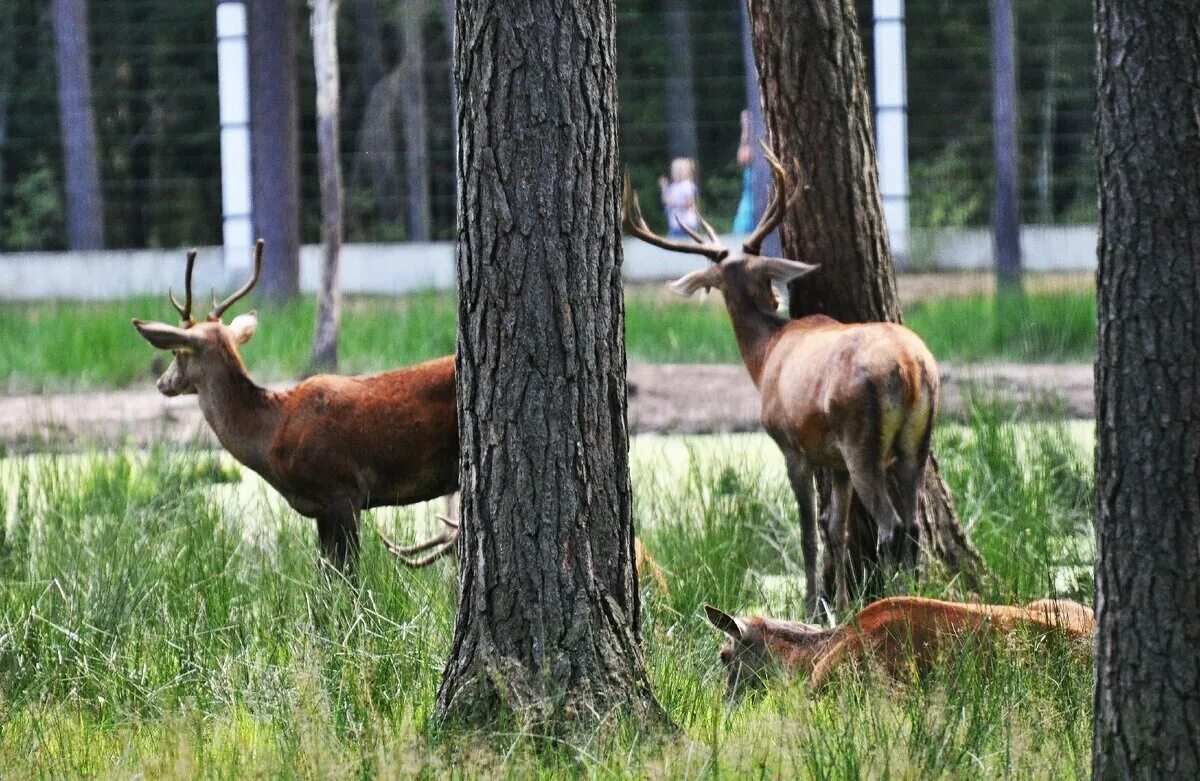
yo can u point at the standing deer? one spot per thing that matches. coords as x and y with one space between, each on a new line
853 398
332 446
901 634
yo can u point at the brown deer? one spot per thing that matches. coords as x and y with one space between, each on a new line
853 398
332 446
900 634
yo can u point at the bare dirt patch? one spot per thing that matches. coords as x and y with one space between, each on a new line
663 398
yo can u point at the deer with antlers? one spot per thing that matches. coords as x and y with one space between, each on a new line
853 398
333 446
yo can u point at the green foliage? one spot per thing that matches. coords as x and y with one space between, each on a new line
34 221
157 620
944 194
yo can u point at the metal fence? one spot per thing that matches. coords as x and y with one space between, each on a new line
154 86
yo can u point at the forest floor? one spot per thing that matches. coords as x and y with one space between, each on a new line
663 398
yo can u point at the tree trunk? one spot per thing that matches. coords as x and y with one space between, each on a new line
275 143
818 112
758 131
413 113
329 299
368 34
1006 211
1147 696
77 123
681 87
549 615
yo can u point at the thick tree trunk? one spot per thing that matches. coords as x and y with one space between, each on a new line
680 85
1147 698
275 143
413 114
1006 209
549 614
818 112
77 124
329 300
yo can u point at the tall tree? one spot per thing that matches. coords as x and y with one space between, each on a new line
1006 209
275 143
329 164
77 124
549 613
680 83
818 112
413 114
1147 696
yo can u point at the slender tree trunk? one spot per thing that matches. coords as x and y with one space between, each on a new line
412 108
1045 174
549 615
818 112
1147 696
275 143
77 123
1006 211
329 299
368 34
680 84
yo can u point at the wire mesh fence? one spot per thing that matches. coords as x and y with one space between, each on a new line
681 89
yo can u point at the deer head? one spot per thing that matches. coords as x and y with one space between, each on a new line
204 347
749 270
759 648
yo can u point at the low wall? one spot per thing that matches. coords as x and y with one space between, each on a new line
399 268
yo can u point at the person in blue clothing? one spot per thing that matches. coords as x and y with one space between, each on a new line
743 218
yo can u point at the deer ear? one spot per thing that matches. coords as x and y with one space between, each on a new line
783 270
690 283
166 337
725 622
243 327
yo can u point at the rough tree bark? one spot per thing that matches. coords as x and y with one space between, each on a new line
275 143
549 615
1147 696
329 300
77 124
679 83
413 114
818 112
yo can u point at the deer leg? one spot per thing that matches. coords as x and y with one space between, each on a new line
801 478
837 533
909 471
870 483
337 527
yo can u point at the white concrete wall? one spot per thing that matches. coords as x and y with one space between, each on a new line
397 268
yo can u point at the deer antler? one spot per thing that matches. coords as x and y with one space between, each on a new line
635 225
778 205
442 543
185 311
219 309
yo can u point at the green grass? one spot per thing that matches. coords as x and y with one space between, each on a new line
157 619
56 346
1051 327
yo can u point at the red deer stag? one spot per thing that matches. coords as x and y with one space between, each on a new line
853 398
332 446
901 634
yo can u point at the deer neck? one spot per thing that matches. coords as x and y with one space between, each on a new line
244 415
754 329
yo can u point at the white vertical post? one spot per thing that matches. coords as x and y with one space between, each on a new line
891 122
234 97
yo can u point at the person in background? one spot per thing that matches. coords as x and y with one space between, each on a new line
743 218
679 196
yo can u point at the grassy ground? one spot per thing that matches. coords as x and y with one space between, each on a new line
159 618
55 346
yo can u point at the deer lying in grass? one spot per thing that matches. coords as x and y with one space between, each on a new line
332 446
854 398
901 634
